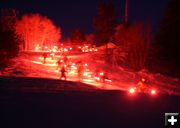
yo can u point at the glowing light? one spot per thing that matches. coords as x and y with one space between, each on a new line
96 50
40 58
132 90
97 78
79 47
65 50
52 54
101 73
85 74
45 47
70 48
37 47
85 64
89 76
153 92
107 80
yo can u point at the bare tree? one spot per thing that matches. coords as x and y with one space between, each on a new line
35 29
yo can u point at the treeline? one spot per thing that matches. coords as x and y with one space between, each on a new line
136 46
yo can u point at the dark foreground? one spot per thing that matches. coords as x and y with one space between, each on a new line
83 109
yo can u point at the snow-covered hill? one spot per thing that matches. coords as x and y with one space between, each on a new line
122 79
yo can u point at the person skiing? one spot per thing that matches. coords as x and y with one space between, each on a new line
59 63
80 70
63 73
44 57
65 59
142 86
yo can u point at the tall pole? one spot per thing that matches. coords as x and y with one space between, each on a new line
126 13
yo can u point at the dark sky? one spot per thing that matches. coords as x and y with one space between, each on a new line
71 14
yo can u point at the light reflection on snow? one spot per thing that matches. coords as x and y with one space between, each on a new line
120 78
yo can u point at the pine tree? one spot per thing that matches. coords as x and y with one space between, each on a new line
9 42
77 37
168 38
104 23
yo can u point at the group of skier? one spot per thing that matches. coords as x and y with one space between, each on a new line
65 66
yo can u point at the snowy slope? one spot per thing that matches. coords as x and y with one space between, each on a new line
123 79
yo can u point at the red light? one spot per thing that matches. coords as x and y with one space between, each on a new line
101 73
132 90
153 92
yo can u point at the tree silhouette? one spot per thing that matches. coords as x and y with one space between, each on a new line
104 23
9 42
77 37
134 44
168 38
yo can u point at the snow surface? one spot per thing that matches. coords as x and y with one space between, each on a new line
31 65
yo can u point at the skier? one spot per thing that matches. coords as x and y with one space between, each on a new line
59 63
65 59
44 57
142 86
63 73
80 70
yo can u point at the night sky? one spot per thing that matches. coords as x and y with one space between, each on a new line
71 14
